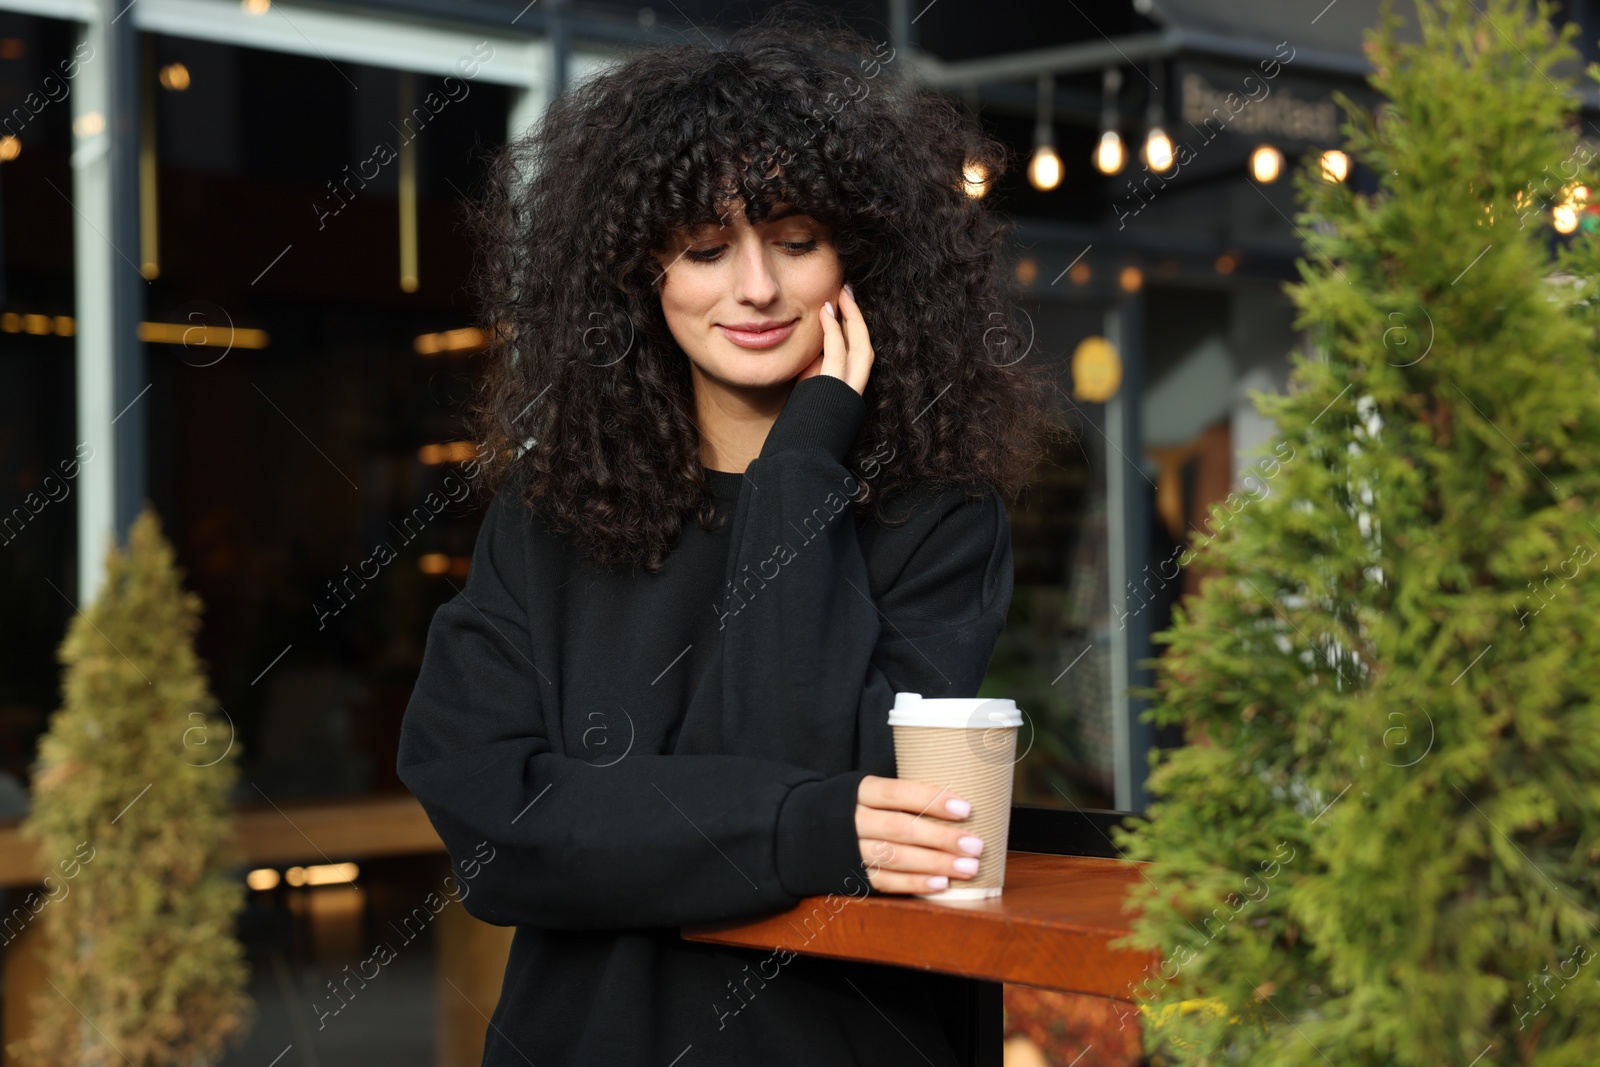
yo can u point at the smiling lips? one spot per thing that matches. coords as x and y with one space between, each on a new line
758 334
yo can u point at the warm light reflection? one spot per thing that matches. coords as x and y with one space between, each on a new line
175 76
322 874
439 563
61 325
466 339
447 452
194 335
262 878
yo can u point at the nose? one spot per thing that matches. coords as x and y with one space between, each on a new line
754 281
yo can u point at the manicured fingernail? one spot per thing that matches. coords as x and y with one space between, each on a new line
973 845
959 808
938 881
849 290
828 305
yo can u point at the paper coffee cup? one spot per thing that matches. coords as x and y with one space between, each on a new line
967 745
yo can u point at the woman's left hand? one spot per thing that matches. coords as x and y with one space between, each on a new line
846 346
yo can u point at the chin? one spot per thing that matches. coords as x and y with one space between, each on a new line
759 370
761 378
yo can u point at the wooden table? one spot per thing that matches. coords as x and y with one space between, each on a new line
1049 929
1063 904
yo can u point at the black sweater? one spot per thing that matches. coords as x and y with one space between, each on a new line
608 755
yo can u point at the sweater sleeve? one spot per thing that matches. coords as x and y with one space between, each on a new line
542 839
817 639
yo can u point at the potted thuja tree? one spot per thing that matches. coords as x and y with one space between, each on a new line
131 819
1383 845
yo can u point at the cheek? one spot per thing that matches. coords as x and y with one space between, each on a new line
679 304
816 278
691 291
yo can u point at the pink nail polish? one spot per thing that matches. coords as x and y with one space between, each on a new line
828 305
938 881
959 808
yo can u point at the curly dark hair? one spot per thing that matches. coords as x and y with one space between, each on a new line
587 398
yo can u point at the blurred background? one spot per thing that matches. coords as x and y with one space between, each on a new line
232 277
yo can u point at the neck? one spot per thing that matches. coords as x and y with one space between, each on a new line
734 421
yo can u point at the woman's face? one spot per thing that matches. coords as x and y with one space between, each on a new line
742 301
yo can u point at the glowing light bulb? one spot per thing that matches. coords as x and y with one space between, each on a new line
1109 155
976 178
1044 170
1335 165
1266 164
174 76
1158 150
1567 215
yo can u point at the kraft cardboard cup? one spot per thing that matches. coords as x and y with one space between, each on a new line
968 745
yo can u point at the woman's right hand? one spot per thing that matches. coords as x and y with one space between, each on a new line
904 852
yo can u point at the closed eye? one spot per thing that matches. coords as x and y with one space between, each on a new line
709 255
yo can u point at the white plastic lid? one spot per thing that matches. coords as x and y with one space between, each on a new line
975 713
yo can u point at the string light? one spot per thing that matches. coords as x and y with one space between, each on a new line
1109 155
1044 170
1158 150
1157 145
1565 215
1266 164
174 76
975 178
1335 165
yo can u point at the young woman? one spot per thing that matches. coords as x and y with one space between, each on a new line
753 401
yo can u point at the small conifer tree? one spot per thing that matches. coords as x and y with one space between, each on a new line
1383 847
131 818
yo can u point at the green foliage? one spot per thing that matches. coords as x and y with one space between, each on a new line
131 817
1382 847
